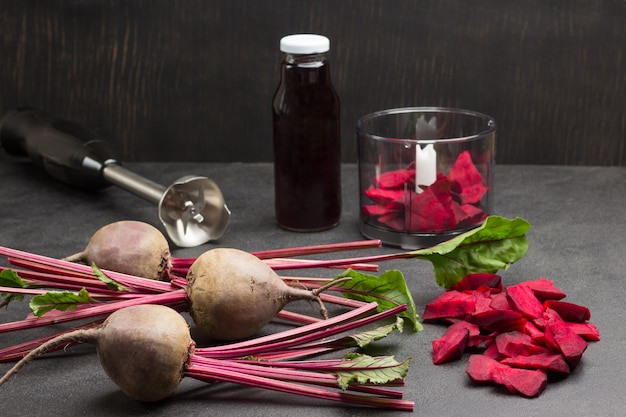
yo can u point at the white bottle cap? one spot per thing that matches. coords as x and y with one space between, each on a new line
304 44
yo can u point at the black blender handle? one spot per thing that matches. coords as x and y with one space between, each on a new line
65 150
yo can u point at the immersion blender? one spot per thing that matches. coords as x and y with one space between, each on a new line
192 209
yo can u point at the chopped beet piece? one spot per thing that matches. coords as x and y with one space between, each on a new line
500 301
547 361
530 383
563 339
472 215
534 332
544 289
394 179
493 353
587 331
499 320
383 196
451 345
522 299
569 311
483 300
474 281
473 193
480 367
450 304
374 210
472 183
523 336
517 343
431 210
475 338
393 219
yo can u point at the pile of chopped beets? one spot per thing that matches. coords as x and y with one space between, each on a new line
518 335
451 202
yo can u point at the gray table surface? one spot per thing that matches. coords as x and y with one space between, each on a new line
577 240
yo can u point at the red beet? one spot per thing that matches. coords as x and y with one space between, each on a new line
523 337
547 361
500 301
465 173
530 383
544 289
569 311
587 331
483 300
129 247
450 304
522 299
477 280
451 345
499 320
517 343
563 339
393 179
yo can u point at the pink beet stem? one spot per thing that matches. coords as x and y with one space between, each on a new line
316 249
288 263
363 259
298 251
124 279
17 352
176 299
301 335
210 373
320 375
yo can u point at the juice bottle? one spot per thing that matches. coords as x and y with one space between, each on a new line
306 130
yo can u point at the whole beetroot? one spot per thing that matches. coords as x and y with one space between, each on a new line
233 294
130 247
144 350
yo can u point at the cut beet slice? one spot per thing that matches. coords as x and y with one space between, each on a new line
563 339
500 302
544 289
383 196
480 367
547 361
587 331
483 300
492 352
451 345
395 179
517 343
450 304
477 280
569 311
536 334
522 298
530 383
472 183
499 320
431 210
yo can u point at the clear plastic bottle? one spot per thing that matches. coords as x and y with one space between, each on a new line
306 123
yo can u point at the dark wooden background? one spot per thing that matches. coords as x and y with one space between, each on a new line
192 80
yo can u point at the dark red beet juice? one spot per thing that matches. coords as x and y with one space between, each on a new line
307 156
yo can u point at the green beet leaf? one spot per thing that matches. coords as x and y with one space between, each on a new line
363 339
58 300
364 369
111 284
491 247
389 290
9 278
